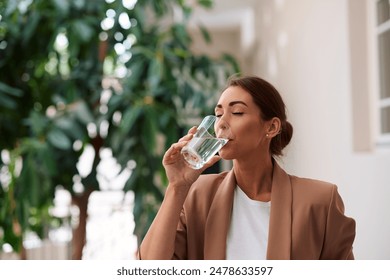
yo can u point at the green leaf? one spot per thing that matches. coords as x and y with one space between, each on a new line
154 74
171 132
187 12
138 204
206 3
181 52
71 128
48 161
149 131
129 118
116 141
146 52
11 7
127 146
29 179
59 139
205 33
4 208
91 179
137 67
129 185
4 88
83 113
114 103
79 4
62 6
181 34
83 30
7 102
30 28
232 62
13 239
37 123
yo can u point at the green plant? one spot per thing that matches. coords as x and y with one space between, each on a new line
66 66
50 88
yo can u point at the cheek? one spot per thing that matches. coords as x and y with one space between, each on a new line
248 133
246 138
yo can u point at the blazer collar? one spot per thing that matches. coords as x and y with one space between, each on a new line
218 220
279 233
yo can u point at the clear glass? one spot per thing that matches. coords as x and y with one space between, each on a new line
204 145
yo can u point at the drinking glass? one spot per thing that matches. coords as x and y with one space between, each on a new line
204 145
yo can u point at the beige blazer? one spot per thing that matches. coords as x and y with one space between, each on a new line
307 219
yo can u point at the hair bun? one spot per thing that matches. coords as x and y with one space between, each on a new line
286 134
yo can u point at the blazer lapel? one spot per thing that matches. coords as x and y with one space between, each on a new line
218 220
279 235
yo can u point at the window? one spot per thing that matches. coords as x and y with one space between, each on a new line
383 50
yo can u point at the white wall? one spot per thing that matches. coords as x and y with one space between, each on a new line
305 44
303 48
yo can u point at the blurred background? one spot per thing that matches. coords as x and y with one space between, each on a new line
92 93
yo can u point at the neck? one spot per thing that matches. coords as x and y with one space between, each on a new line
255 177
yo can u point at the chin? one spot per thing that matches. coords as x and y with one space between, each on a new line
225 155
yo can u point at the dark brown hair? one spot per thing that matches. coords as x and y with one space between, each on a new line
271 105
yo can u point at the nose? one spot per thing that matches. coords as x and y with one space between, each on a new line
221 126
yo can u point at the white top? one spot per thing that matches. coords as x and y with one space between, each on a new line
248 233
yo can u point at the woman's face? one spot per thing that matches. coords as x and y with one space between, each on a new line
237 111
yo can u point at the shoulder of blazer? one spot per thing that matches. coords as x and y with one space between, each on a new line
207 184
315 191
203 191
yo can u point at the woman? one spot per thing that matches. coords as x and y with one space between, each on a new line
256 210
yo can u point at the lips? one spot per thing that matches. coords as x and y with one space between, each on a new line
224 136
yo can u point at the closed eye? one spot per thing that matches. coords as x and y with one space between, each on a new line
234 113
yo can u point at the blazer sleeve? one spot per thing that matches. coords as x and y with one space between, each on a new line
340 231
181 239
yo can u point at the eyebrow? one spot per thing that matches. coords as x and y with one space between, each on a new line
232 104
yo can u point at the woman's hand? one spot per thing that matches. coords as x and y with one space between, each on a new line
179 174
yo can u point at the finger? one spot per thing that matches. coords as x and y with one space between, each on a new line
172 155
186 137
192 130
189 135
176 148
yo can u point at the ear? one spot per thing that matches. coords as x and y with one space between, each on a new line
274 126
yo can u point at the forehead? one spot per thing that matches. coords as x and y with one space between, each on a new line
235 93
